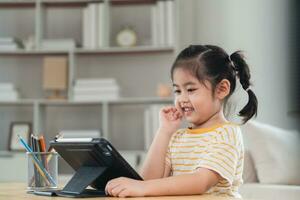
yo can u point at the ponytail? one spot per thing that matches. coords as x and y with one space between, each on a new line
243 73
212 63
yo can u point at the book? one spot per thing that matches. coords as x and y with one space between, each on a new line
106 20
93 20
11 41
7 40
93 97
8 92
151 123
147 129
74 140
8 47
161 22
96 25
9 96
101 25
86 29
154 25
95 90
7 86
169 22
58 44
92 82
80 133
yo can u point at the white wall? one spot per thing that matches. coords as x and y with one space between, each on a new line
255 26
260 29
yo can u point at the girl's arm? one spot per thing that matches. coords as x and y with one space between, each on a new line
154 165
189 184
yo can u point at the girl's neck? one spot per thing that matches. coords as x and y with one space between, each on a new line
216 119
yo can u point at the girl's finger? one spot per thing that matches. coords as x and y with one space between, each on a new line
177 117
174 109
124 193
178 114
117 190
110 186
166 109
169 109
178 108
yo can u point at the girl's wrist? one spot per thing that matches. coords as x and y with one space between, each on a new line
165 131
147 188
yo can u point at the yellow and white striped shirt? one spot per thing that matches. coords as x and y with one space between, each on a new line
219 148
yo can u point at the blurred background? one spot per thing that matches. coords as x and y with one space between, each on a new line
53 52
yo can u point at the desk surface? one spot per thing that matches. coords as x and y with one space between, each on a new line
13 191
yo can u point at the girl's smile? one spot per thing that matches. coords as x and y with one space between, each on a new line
187 110
195 99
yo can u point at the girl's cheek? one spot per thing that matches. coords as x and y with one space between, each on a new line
194 97
176 104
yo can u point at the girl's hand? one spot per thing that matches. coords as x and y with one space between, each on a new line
125 187
170 119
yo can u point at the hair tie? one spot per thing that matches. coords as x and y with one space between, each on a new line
232 64
249 88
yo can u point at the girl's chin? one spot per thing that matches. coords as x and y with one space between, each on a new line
188 114
190 120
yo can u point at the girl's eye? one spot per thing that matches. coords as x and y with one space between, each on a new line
191 90
176 91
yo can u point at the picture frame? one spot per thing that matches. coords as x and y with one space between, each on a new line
18 128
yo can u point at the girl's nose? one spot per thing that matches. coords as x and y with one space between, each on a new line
182 98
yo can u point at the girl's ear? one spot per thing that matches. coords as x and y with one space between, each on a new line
222 89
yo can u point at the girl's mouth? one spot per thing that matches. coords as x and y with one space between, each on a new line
187 110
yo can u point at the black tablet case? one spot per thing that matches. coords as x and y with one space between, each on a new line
95 163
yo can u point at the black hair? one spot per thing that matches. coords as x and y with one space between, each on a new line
212 63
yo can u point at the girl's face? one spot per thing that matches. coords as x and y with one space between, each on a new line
193 98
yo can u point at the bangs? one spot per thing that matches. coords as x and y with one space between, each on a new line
193 66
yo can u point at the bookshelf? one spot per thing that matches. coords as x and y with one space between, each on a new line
108 50
145 63
17 3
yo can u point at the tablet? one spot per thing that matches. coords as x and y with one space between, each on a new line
95 162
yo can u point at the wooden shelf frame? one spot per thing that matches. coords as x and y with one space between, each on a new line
80 51
69 3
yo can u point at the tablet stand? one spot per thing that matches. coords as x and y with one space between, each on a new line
83 177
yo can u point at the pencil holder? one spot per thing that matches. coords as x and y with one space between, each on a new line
42 170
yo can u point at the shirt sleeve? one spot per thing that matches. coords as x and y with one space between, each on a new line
222 158
168 158
168 154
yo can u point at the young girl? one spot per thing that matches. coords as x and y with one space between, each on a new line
206 157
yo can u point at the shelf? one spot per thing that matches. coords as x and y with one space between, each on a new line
121 50
43 112
108 50
142 100
127 100
68 3
124 100
17 3
67 103
32 3
8 154
25 102
22 52
129 2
